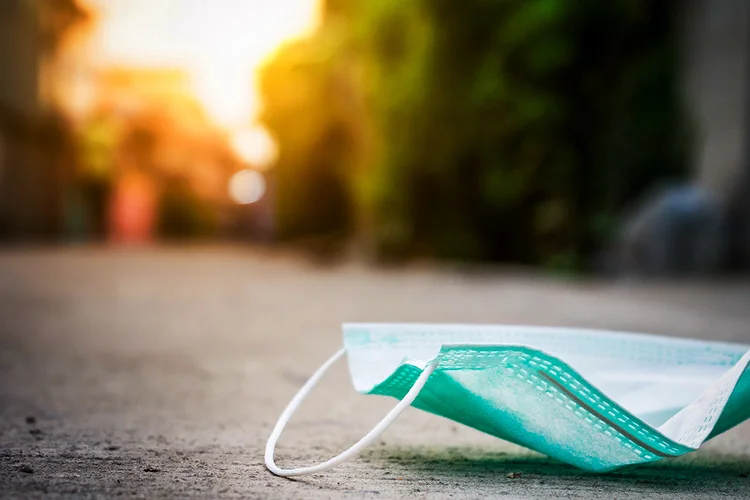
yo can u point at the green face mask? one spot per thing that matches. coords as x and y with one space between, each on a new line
594 399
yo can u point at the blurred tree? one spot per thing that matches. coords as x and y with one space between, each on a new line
97 142
309 91
508 130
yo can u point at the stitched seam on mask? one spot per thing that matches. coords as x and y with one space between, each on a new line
707 420
405 376
635 426
580 412
507 357
577 410
404 379
594 412
605 407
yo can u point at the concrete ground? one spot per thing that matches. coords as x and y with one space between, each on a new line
159 374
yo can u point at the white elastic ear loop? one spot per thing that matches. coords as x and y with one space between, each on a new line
359 445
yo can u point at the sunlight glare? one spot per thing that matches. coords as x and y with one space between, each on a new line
221 43
256 147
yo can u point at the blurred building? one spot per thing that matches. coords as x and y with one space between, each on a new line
20 57
90 152
165 155
188 144
36 148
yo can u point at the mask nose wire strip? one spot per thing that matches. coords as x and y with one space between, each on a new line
366 441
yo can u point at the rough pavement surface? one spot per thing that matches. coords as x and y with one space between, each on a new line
159 374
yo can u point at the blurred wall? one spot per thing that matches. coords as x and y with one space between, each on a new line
717 83
717 34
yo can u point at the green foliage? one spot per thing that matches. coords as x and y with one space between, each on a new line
308 91
505 130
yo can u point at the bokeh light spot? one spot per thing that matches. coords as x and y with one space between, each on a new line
246 187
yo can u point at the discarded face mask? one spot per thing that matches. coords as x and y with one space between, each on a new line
597 400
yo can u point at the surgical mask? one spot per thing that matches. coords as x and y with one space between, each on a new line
597 400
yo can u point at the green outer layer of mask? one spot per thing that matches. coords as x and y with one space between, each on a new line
535 400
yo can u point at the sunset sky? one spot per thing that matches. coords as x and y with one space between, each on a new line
220 43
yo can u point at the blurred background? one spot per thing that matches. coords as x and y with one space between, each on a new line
576 136
178 176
